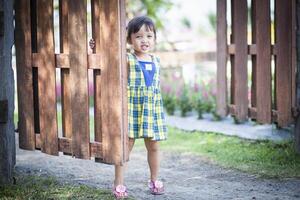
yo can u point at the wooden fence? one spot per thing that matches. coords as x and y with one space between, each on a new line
36 78
272 99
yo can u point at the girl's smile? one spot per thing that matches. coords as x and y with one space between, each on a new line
144 47
143 41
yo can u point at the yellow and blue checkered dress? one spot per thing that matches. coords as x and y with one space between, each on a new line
146 118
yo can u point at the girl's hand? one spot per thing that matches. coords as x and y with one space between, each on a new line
92 43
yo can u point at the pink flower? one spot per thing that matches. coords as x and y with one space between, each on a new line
205 94
196 87
213 91
166 88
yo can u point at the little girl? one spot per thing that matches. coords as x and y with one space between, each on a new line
145 107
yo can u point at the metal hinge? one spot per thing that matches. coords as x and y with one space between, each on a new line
3 111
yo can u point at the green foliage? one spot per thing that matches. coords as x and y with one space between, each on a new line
200 97
169 103
184 101
212 18
155 9
170 86
202 106
204 98
186 22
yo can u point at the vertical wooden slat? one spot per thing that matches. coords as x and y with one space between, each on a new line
113 95
294 49
262 39
297 121
239 38
65 73
221 58
46 77
96 73
124 80
78 78
24 75
283 40
1 22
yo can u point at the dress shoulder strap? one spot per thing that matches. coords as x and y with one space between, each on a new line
131 59
157 59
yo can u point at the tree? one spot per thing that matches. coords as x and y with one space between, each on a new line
152 8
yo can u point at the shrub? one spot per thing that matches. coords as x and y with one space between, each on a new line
171 85
184 101
169 103
199 107
169 99
204 98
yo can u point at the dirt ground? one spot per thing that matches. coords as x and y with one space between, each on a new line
185 177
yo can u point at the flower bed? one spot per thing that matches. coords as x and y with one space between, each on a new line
199 96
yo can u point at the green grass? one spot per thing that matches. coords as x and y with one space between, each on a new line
35 187
263 158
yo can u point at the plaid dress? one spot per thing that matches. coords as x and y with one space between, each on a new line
146 118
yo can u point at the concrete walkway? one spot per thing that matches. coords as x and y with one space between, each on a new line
248 130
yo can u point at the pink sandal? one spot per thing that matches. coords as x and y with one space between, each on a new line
120 192
156 187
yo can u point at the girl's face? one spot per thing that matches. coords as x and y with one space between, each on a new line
142 41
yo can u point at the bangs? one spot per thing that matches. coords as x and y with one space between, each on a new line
136 23
149 27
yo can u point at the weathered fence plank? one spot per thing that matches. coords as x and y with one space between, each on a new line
97 73
110 99
239 67
297 121
114 92
294 57
283 72
24 75
221 58
78 78
46 77
65 73
124 80
261 35
7 134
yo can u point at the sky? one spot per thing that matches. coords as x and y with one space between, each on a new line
195 10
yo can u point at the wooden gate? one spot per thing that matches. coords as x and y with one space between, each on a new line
270 99
36 78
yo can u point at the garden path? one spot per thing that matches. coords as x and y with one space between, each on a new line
185 177
248 130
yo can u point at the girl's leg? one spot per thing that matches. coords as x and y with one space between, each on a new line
153 157
119 170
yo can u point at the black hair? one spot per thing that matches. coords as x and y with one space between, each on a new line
136 23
